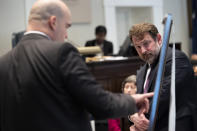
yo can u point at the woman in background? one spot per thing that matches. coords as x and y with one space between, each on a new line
128 87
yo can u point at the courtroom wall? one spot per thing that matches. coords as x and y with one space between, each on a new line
179 10
12 15
13 20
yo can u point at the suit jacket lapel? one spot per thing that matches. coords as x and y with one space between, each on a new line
152 79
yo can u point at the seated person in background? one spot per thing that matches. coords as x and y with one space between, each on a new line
128 87
127 49
106 46
16 37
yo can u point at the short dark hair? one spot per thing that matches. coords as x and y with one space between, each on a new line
100 29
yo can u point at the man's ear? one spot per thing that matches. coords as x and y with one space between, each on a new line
52 23
159 39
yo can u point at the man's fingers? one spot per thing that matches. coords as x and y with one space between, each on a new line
144 107
146 101
132 128
141 111
143 123
140 97
148 95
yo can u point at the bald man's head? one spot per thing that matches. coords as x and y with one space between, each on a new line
43 9
47 15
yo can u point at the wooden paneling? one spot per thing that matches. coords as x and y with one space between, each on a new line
111 73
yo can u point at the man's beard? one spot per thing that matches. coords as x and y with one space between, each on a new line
150 57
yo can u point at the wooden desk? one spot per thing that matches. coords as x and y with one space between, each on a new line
111 73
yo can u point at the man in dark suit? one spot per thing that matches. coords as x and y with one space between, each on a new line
147 42
46 86
106 46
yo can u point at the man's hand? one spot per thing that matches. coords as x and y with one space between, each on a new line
132 128
141 123
142 101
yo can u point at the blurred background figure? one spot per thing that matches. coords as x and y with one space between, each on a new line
127 49
106 46
16 37
128 87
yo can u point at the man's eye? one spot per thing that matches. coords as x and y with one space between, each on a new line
145 44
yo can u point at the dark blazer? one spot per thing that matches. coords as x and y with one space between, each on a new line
46 86
185 90
107 46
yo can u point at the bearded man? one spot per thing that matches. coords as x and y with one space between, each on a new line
147 42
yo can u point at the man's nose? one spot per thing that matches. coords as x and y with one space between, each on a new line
143 50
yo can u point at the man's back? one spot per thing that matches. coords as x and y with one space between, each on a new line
46 86
34 86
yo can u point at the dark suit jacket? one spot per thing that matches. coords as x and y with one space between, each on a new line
46 86
107 46
185 88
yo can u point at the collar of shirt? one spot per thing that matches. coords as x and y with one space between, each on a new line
37 32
